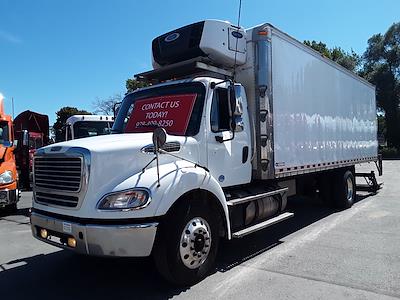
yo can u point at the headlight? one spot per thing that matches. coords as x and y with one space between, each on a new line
130 199
6 177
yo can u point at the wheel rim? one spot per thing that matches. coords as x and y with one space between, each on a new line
350 189
195 243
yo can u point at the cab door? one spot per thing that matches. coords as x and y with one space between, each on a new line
229 157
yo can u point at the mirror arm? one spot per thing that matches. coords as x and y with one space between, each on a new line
213 84
176 156
220 139
145 167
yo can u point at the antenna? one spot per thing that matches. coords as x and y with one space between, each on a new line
12 103
237 39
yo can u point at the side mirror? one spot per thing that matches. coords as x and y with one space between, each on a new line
67 132
238 109
116 108
25 138
159 138
239 124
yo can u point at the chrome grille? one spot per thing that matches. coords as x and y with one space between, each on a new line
61 200
58 174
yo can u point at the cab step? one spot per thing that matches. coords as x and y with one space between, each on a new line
262 225
237 201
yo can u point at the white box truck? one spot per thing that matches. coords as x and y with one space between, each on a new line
235 121
81 126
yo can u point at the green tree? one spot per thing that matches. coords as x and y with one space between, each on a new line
382 68
62 115
381 125
133 84
320 47
349 60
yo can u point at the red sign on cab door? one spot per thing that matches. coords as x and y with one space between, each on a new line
170 112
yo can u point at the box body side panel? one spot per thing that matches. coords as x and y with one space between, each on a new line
321 114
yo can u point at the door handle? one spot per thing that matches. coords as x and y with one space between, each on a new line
245 154
219 139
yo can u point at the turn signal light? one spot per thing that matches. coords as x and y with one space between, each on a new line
71 242
43 233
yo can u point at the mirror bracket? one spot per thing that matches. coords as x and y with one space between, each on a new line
25 138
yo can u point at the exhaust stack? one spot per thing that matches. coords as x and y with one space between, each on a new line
1 104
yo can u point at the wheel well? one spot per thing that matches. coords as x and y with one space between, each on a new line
207 198
307 184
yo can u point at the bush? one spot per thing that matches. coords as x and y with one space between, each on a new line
389 152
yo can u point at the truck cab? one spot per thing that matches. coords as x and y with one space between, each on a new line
31 133
80 126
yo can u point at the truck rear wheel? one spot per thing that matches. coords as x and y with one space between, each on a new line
187 244
345 189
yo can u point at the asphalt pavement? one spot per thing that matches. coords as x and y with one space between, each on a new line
320 253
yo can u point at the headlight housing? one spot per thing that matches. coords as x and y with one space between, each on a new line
6 177
125 200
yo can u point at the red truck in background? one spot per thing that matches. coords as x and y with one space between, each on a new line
35 127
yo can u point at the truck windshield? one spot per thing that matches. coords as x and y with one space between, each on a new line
4 134
35 142
91 128
177 108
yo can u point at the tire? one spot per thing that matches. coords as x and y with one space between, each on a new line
190 228
345 190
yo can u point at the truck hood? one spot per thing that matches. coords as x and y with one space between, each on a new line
107 142
114 158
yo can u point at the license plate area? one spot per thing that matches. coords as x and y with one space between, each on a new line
54 237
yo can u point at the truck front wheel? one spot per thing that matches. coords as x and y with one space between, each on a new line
187 243
345 189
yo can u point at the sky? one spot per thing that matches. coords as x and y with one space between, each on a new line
57 53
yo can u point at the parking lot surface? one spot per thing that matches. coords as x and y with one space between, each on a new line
320 253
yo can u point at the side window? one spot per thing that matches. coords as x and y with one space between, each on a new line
220 111
68 128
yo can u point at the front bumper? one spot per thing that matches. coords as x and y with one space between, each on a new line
132 240
8 197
